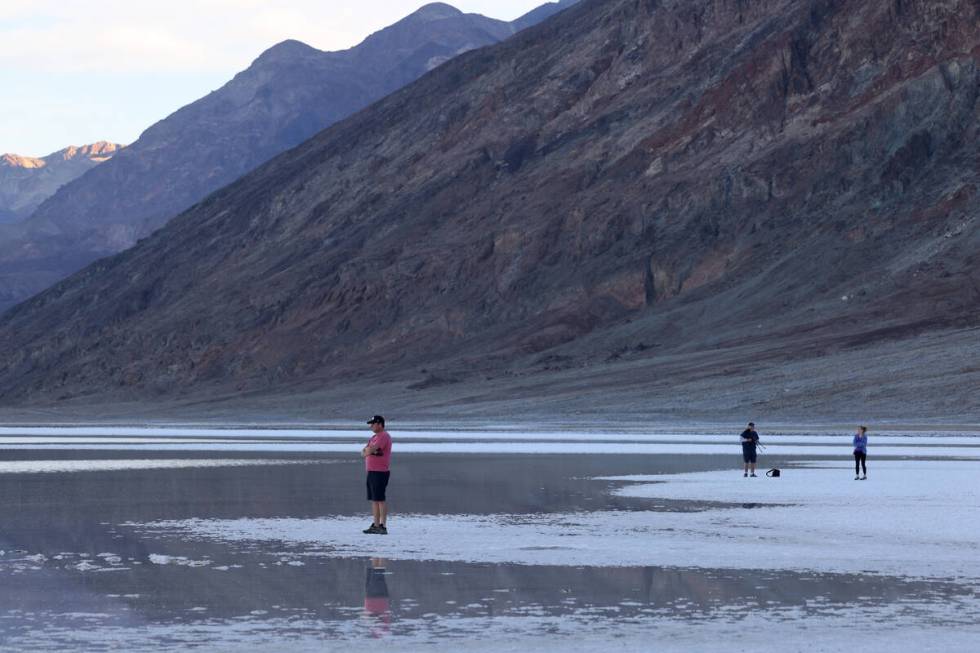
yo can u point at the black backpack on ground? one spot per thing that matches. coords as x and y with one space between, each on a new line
773 473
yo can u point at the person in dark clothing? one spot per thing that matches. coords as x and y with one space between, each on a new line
861 453
750 439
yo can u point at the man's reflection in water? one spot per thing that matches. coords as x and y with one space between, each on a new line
377 607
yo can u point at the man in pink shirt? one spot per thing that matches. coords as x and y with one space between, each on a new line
377 460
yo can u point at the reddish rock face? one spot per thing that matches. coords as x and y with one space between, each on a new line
701 175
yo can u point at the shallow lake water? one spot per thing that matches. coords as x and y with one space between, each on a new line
97 558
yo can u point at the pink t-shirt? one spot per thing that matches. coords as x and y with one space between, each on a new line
380 463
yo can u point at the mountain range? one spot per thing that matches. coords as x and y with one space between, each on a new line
638 207
289 93
27 181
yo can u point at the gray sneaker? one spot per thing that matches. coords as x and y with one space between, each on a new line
371 530
381 530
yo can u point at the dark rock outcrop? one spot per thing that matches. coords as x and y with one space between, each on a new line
289 93
721 183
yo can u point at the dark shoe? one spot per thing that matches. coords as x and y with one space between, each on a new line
864 478
753 475
382 530
371 530
746 474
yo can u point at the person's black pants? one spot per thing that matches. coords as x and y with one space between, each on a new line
860 459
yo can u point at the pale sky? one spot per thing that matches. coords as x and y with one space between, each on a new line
78 71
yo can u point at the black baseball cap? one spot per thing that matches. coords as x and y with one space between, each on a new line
377 419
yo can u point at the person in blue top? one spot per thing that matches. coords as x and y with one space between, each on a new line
861 453
750 438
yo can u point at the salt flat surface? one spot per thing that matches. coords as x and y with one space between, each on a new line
173 585
878 631
528 448
58 440
311 441
914 519
147 434
60 466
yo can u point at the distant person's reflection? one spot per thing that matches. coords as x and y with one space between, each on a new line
377 607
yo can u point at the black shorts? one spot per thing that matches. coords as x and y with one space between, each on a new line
377 483
748 454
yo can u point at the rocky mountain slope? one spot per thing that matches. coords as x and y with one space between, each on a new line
631 196
26 181
289 93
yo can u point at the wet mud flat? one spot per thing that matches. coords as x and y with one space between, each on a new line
83 567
